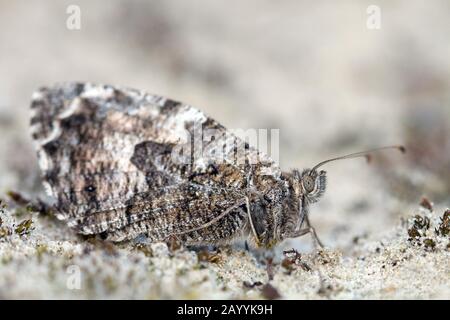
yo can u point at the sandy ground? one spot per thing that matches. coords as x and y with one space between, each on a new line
41 259
315 72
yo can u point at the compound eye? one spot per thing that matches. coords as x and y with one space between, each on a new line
308 183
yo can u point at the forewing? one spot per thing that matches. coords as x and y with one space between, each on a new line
101 147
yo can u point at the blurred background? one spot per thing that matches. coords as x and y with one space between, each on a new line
313 69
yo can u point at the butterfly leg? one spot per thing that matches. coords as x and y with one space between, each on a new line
250 220
318 243
269 268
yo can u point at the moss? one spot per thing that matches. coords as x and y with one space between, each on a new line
205 256
24 227
419 236
146 250
444 227
182 272
429 244
421 222
4 232
418 229
413 233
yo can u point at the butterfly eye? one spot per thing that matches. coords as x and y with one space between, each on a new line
308 183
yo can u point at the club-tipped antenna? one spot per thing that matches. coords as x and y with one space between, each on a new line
366 154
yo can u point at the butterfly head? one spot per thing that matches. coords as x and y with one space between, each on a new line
313 184
309 185
306 188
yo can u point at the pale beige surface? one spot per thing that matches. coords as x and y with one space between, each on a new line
41 265
313 70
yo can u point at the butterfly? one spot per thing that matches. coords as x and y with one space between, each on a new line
122 163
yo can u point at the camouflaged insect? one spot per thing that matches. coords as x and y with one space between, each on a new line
107 157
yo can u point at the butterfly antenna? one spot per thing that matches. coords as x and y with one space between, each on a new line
366 154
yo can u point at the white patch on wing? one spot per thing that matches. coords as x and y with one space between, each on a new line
73 107
186 114
37 95
48 188
56 132
97 91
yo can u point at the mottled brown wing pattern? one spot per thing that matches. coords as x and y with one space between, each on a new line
106 156
185 211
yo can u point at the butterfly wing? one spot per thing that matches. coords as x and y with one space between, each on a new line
187 211
105 152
